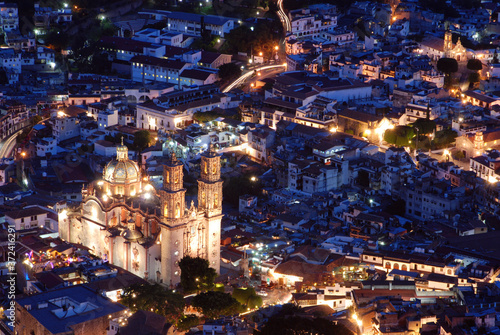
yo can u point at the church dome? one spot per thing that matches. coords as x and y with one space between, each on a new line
132 234
121 170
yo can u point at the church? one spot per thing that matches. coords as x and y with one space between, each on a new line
146 231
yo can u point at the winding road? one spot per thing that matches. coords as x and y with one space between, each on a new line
237 82
8 145
284 17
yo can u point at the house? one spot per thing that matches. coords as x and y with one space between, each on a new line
105 148
9 17
153 69
125 49
358 123
74 308
198 77
192 24
32 217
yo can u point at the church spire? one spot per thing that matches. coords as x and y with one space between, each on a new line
210 183
121 152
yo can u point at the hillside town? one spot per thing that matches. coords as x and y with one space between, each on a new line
250 167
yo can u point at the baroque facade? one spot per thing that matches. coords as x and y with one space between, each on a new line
125 220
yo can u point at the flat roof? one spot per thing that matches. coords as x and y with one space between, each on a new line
46 307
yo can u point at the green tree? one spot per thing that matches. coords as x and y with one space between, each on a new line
229 71
154 298
213 304
187 322
399 136
142 138
247 297
447 66
36 119
425 126
444 138
196 274
202 117
474 65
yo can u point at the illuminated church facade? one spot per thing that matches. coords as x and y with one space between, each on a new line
125 220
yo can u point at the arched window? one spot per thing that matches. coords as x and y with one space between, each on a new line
176 178
203 198
165 210
388 265
177 210
404 267
216 200
206 168
167 176
214 168
396 266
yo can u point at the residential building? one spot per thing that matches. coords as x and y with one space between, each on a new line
75 308
152 69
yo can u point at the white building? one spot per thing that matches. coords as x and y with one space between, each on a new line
152 69
9 16
311 26
157 36
198 77
46 145
104 148
192 24
33 217
125 48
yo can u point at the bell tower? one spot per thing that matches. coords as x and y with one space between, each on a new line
478 143
210 202
210 184
448 44
173 193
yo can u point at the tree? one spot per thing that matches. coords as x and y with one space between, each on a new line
188 322
229 71
425 126
447 66
154 298
36 119
196 274
141 139
399 136
474 65
213 304
445 138
473 78
202 117
247 297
